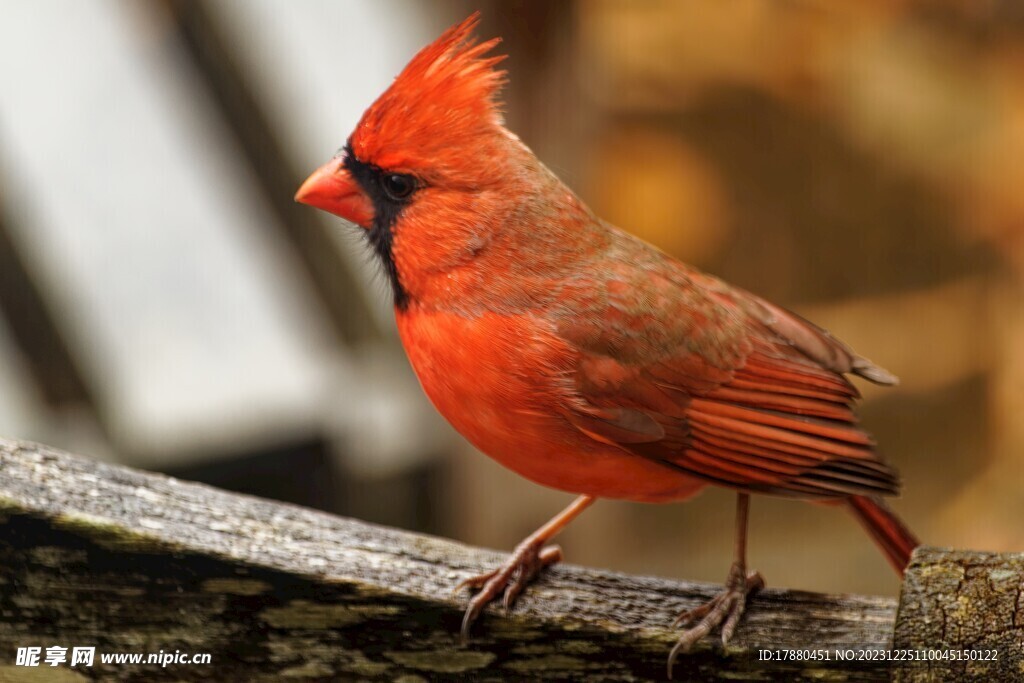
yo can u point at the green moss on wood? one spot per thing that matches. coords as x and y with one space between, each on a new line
234 586
303 614
442 661
536 665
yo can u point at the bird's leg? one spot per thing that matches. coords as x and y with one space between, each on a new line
726 608
525 563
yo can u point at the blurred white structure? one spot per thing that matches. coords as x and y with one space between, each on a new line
146 235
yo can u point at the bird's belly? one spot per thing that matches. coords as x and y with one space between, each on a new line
500 381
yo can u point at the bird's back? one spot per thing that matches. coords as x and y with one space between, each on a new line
679 367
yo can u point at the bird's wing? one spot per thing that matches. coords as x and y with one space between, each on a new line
680 368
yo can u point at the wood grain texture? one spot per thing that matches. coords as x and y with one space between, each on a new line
99 555
961 605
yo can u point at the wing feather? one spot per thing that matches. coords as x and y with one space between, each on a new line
748 396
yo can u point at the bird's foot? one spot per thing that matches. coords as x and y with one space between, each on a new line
724 610
525 563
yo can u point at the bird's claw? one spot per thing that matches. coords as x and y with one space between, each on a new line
724 610
525 563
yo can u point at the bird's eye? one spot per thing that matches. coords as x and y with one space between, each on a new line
398 186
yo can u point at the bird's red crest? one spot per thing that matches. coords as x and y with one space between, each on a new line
445 94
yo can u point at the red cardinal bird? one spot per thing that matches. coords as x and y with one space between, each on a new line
574 353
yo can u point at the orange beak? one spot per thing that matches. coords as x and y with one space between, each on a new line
333 189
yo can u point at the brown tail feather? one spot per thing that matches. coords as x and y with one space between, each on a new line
886 529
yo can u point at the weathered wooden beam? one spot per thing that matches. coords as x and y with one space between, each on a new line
93 554
962 612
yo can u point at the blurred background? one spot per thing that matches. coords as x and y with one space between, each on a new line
164 304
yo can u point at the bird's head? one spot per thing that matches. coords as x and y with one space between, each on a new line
427 169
